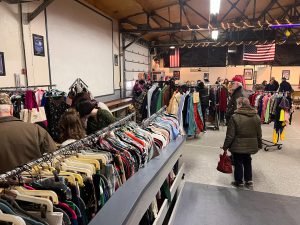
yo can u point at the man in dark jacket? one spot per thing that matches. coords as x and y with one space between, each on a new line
275 83
237 93
285 86
20 142
243 138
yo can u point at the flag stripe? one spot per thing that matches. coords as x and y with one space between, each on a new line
259 53
175 58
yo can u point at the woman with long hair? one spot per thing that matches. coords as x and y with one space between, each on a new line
70 126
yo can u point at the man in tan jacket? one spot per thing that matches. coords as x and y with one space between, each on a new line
20 142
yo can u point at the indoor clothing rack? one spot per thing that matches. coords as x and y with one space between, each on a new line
67 149
50 86
147 121
266 143
270 144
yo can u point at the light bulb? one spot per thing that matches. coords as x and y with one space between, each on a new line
214 34
215 6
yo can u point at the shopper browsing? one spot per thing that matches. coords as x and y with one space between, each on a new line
70 126
226 83
243 138
236 92
285 86
219 81
93 117
20 142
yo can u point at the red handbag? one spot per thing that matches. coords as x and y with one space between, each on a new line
224 165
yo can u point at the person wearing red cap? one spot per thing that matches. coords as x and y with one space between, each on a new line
236 92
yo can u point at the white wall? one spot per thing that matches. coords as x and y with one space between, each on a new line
37 66
80 45
11 45
263 73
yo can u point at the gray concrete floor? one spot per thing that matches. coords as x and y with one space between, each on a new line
275 171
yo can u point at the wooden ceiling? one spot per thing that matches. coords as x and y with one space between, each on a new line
132 13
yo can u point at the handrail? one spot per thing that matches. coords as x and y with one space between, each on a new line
134 197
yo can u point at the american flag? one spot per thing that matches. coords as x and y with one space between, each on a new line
174 57
259 53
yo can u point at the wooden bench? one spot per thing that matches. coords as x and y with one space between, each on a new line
119 104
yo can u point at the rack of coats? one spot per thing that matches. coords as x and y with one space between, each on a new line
72 184
151 98
273 107
186 105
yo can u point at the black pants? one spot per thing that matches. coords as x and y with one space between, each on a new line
242 167
203 108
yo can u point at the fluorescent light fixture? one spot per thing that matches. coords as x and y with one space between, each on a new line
214 34
215 6
172 47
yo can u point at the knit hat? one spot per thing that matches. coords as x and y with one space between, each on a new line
85 107
4 99
237 79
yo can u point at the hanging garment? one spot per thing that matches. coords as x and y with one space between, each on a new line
149 96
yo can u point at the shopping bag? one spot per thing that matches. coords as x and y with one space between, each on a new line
224 165
24 115
37 115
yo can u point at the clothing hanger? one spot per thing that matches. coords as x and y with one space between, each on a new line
93 155
36 200
15 220
90 167
87 160
66 167
38 193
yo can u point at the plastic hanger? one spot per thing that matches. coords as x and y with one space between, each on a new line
91 161
81 165
66 167
93 155
39 193
26 198
15 220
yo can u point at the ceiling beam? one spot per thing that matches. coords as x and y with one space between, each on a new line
229 11
38 10
268 7
246 7
237 9
196 12
164 19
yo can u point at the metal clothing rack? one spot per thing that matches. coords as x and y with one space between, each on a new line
269 144
69 148
146 122
20 88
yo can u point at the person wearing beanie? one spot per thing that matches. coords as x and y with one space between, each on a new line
93 117
285 86
236 92
20 142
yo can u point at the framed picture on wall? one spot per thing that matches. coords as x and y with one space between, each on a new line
176 75
38 45
248 74
206 77
286 74
116 59
2 64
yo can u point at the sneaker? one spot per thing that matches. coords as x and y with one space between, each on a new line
237 185
249 184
